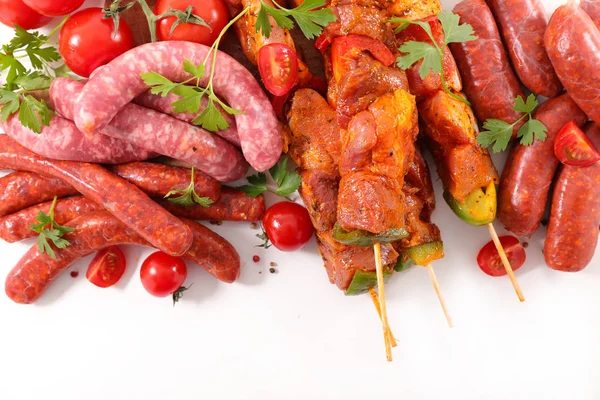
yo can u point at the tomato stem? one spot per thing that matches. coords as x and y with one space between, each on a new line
151 17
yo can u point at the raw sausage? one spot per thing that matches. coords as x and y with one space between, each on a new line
592 8
522 24
488 79
63 141
161 133
115 85
122 199
19 190
529 170
573 45
36 271
575 214
164 105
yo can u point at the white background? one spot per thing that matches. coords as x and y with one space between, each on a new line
292 335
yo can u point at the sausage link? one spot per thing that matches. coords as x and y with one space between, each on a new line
32 275
161 133
592 8
575 214
529 170
115 85
488 79
122 199
573 45
157 180
19 190
522 24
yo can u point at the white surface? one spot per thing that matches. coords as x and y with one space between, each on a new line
292 335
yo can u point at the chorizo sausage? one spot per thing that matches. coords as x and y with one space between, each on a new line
488 79
115 85
522 24
122 199
573 45
529 170
575 214
161 133
36 271
61 140
19 190
592 8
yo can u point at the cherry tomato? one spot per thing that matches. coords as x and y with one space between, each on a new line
54 8
278 67
87 41
572 147
162 274
213 12
15 12
489 260
107 267
287 226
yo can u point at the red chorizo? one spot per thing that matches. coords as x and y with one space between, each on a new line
592 8
575 214
19 190
32 275
572 41
529 170
522 24
122 199
488 79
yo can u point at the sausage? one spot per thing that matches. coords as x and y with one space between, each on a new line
592 8
573 45
63 141
161 133
164 105
122 199
488 79
522 24
19 190
115 85
36 271
529 170
156 180
232 206
575 214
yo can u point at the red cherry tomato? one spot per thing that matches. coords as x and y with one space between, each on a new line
15 12
278 67
288 226
87 41
489 260
572 147
54 8
162 274
107 267
213 12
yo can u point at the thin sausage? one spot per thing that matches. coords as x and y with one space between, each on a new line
122 199
529 170
572 41
522 24
575 214
161 133
19 190
115 85
488 79
34 273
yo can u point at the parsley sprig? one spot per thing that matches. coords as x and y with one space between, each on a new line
309 16
210 118
188 197
432 53
499 133
287 182
49 230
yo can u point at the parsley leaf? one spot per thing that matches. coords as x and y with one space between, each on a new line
158 83
453 31
196 70
34 113
33 81
287 182
525 107
49 230
257 185
532 129
188 197
496 132
11 104
416 51
309 16
211 118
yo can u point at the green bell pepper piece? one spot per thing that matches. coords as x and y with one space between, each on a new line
479 207
404 262
420 255
363 281
366 239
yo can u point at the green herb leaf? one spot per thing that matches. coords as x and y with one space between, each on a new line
49 230
309 16
287 181
158 83
279 171
211 119
453 31
188 197
257 185
263 24
34 113
38 56
14 67
532 129
188 104
196 70
35 80
11 104
528 107
495 132
416 51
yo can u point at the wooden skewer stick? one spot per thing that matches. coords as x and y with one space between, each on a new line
436 286
387 336
505 261
375 299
